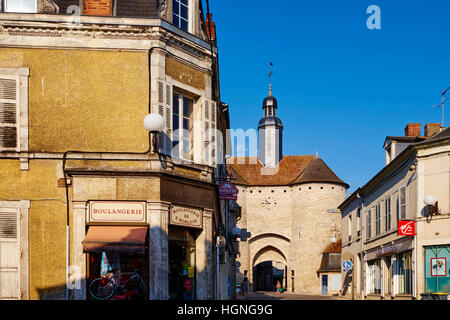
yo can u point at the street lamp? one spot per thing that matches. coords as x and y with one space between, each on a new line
154 123
432 206
236 231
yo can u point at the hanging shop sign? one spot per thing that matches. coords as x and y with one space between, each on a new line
186 217
227 191
117 211
406 228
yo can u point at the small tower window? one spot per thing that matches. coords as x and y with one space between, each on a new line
180 15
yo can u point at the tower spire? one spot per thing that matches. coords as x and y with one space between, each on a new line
270 79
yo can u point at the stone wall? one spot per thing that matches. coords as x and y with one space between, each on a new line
290 225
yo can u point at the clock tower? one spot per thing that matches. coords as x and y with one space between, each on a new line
270 131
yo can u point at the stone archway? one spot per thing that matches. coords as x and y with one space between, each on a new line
269 265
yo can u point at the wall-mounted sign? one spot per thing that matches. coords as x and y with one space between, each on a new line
439 267
117 211
186 217
386 250
227 191
406 228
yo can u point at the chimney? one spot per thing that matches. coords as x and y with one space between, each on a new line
412 130
431 129
209 23
98 7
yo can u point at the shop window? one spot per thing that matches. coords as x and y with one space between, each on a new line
388 275
437 277
124 269
182 281
374 277
403 273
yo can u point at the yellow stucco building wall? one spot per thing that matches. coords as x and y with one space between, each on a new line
78 100
82 99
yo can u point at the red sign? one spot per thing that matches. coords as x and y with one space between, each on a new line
227 191
187 284
407 228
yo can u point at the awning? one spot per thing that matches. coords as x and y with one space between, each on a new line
115 239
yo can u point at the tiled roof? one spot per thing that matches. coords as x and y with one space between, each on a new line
290 171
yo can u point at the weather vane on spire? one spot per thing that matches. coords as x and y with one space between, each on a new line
270 78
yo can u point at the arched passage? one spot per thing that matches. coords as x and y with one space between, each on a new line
269 266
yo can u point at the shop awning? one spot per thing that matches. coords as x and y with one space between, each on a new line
115 239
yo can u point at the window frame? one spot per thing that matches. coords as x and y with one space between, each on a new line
368 224
178 15
5 5
378 219
21 75
179 141
403 214
387 214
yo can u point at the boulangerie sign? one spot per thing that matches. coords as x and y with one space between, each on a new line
117 211
187 217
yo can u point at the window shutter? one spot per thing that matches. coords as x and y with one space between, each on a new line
206 131
213 133
9 254
209 128
165 110
9 112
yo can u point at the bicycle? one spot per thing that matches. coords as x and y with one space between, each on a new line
104 288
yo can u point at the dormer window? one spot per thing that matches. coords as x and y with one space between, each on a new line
22 6
180 15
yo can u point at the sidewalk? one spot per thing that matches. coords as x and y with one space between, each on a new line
269 295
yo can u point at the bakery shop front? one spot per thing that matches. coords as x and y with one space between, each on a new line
153 250
185 225
116 248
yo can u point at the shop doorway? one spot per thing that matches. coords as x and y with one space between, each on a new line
266 276
117 262
182 284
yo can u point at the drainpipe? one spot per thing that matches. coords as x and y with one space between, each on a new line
218 268
362 245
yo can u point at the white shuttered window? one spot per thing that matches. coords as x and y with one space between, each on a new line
165 110
9 112
14 109
9 254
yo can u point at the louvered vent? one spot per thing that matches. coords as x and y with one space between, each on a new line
8 113
161 92
8 225
7 89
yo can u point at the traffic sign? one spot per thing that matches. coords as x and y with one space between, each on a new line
347 265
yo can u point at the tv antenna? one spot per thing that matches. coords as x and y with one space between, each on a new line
442 104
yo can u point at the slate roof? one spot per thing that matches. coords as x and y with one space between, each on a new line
291 170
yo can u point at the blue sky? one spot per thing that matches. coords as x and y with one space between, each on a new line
341 88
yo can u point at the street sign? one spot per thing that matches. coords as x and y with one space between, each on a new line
407 228
227 191
347 266
245 235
